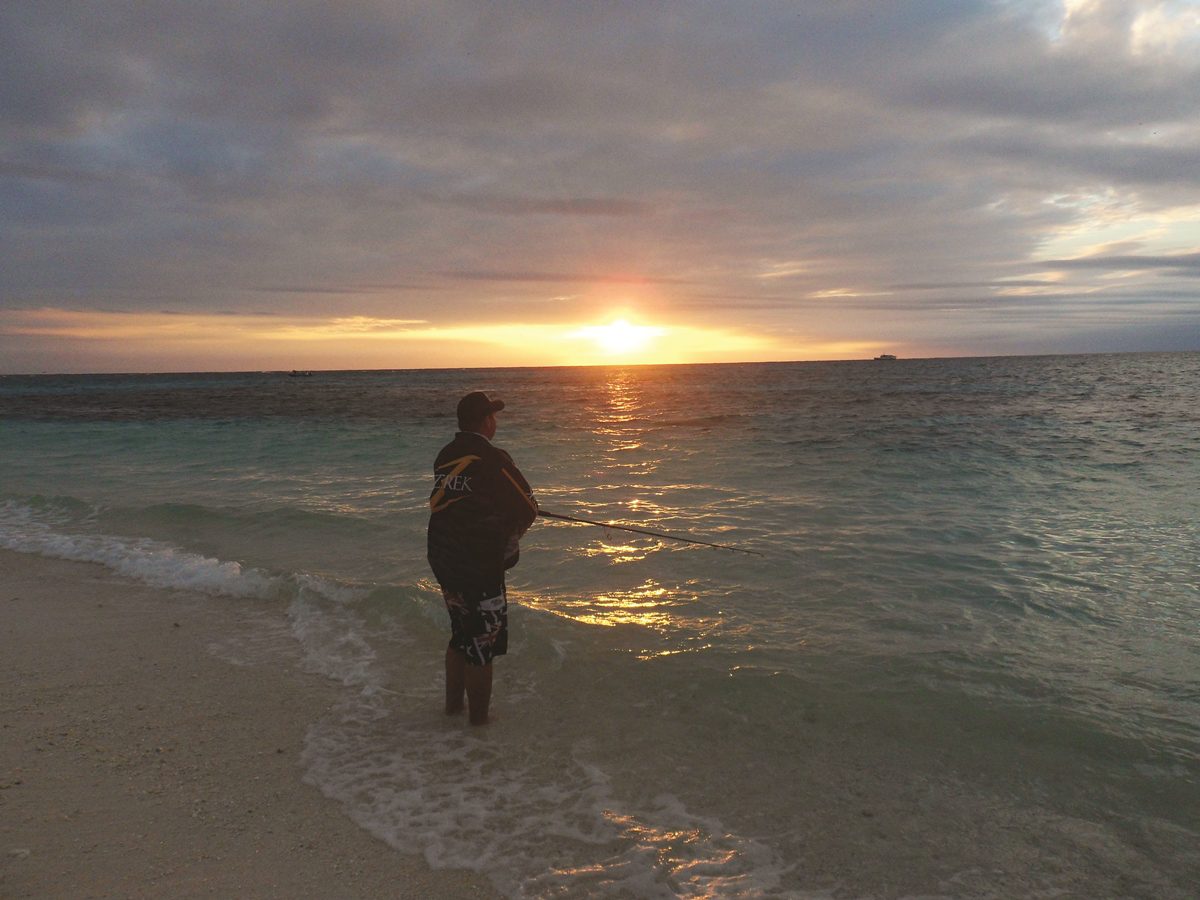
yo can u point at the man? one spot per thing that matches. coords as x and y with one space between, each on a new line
480 506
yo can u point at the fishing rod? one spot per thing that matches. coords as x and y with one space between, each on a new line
672 537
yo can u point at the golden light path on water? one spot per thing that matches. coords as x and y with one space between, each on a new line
650 604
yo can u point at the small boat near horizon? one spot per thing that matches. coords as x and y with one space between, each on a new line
885 356
297 373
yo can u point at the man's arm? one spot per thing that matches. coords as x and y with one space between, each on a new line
516 495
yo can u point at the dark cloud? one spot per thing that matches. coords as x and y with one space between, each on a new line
1089 158
559 277
566 206
959 285
357 290
1179 264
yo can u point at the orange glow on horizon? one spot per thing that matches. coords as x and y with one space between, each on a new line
155 341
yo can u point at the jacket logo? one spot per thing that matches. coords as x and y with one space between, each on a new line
527 497
453 480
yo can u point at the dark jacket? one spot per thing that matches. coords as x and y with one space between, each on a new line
480 505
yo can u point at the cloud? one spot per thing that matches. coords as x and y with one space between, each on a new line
1131 163
1175 264
557 277
566 206
774 164
1007 284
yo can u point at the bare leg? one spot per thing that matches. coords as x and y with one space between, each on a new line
456 680
479 692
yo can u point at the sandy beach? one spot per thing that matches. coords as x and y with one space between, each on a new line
139 757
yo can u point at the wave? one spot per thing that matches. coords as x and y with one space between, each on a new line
320 610
271 519
697 421
23 530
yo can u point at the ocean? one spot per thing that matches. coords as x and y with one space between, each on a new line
966 663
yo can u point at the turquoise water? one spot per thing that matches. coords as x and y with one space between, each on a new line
965 665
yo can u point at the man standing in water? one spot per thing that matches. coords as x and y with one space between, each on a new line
480 507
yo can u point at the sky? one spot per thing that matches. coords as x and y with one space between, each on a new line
241 185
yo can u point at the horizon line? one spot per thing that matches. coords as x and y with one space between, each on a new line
771 362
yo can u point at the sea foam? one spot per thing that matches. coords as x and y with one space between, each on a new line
538 823
22 529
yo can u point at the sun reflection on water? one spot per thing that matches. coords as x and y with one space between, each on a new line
620 553
624 398
651 605
647 605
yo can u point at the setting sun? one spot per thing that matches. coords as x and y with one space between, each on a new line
621 337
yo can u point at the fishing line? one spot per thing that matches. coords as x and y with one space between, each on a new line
672 537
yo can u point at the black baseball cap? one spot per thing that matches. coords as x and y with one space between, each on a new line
476 405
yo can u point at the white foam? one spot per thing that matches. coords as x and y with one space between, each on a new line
331 634
152 562
539 822
267 641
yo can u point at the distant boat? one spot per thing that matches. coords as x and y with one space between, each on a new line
296 373
885 356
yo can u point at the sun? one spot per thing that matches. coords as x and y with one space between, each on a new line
620 337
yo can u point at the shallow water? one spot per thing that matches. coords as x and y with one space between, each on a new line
965 665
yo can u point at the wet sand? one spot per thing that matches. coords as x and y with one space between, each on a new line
138 760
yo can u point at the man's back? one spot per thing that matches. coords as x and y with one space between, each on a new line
479 504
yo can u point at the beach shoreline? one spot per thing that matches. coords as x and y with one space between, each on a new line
142 757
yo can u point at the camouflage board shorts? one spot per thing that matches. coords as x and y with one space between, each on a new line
478 622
